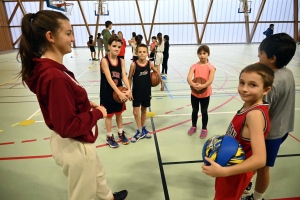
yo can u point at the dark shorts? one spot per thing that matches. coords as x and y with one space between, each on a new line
145 103
272 147
113 108
92 48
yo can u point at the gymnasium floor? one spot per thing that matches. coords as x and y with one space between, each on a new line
168 166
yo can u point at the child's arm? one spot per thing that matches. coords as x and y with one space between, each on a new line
190 76
105 69
88 44
254 125
155 70
210 78
130 75
125 80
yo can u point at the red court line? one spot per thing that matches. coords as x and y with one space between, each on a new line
28 141
179 108
47 138
5 143
25 157
294 137
169 112
189 105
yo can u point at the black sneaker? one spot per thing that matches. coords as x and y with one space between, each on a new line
250 197
120 195
248 189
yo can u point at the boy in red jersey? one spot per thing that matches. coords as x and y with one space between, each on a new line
249 127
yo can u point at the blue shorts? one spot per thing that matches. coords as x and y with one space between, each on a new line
272 147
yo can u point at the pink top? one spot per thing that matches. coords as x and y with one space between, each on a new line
203 71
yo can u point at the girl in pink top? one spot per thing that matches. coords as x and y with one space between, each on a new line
205 70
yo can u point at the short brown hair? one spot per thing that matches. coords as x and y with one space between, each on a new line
204 48
141 45
114 39
264 71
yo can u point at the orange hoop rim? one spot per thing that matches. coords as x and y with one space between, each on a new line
59 5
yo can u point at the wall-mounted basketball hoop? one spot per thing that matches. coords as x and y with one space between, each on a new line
101 8
245 6
60 5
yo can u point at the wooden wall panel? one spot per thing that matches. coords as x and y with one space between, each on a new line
5 35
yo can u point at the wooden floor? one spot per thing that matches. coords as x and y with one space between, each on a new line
168 166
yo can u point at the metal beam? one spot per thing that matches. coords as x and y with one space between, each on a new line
41 4
83 16
13 13
22 7
247 27
17 41
296 32
206 19
138 7
261 8
153 18
195 21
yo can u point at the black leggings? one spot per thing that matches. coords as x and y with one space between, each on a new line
165 64
204 102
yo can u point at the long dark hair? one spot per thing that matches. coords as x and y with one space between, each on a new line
138 40
33 41
159 38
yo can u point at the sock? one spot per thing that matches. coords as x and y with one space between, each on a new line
140 130
258 196
120 130
109 134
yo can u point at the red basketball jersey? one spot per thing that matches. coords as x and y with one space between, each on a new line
232 187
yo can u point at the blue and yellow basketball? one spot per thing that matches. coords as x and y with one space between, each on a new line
224 150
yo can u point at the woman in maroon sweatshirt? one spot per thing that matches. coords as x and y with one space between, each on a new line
72 118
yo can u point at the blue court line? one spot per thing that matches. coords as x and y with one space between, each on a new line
184 81
170 95
159 98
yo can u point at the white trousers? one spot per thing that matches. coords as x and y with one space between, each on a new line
81 165
158 58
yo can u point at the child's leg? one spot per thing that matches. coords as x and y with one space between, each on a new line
119 121
92 54
204 102
143 115
98 53
164 66
195 106
137 116
102 53
108 125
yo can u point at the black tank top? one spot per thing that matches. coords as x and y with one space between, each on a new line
141 82
106 90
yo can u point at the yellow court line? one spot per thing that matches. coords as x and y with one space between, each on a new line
15 124
1 131
37 114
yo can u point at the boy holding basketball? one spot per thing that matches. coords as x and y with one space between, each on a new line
249 127
112 74
139 78
276 51
206 71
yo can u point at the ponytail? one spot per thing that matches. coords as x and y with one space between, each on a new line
33 43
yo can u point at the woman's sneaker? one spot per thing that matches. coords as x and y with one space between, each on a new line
192 130
203 133
120 195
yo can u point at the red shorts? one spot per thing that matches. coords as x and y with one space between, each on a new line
232 187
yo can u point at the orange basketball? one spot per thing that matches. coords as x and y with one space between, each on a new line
116 96
201 81
154 79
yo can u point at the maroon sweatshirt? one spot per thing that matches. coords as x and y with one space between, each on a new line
63 102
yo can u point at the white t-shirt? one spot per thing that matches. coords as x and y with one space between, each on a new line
160 48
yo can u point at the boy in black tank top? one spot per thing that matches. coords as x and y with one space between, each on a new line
112 74
139 78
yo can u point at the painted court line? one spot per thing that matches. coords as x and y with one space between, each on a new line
33 140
